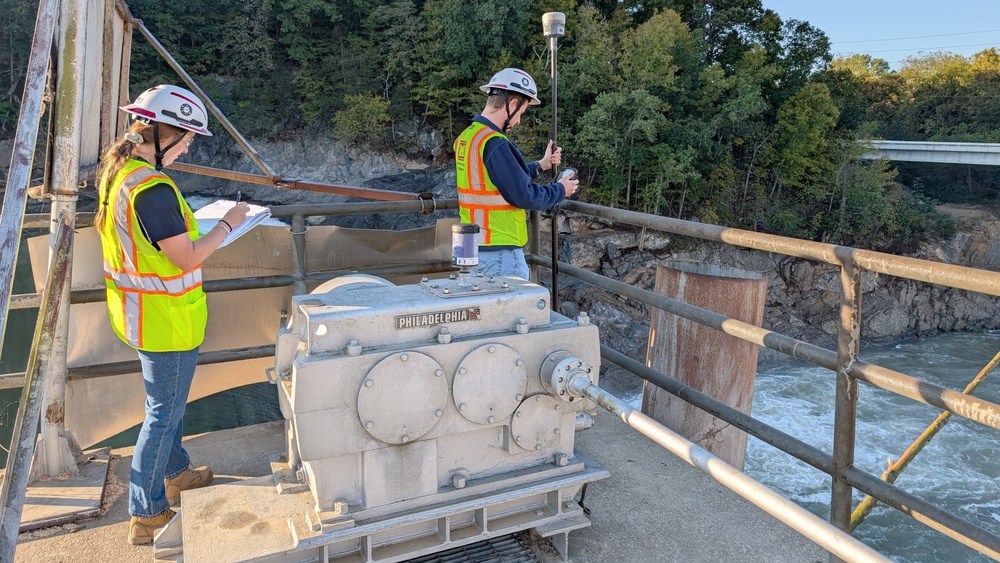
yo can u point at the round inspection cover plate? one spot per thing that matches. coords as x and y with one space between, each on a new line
537 421
489 383
402 397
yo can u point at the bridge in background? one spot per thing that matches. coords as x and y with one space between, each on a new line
924 151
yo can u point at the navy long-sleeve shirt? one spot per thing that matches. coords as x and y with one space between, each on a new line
513 176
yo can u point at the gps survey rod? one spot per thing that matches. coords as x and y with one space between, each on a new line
554 26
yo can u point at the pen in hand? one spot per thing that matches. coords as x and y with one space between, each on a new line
239 195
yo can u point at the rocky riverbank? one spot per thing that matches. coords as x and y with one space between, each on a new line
803 296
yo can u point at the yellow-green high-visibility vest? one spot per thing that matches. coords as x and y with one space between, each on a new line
479 200
154 305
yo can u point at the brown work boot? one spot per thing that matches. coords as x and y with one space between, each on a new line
188 479
142 530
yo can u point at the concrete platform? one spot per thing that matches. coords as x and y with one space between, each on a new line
654 508
53 502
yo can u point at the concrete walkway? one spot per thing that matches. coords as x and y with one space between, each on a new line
654 508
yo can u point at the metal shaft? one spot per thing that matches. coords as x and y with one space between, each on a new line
553 47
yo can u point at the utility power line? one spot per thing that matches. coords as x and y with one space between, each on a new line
919 49
917 37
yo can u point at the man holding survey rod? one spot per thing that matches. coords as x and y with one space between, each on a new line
495 184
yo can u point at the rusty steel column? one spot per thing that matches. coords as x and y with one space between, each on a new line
55 456
845 412
715 363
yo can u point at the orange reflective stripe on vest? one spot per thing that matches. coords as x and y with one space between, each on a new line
479 200
153 304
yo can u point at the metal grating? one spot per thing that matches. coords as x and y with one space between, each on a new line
507 549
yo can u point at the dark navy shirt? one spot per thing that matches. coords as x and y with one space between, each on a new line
159 213
513 177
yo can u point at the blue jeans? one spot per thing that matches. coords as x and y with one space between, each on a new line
158 452
506 262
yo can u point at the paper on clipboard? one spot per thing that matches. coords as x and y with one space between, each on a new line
210 215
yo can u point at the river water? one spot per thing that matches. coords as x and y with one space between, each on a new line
958 470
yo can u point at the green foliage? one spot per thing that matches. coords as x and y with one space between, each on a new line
719 110
16 30
362 120
616 137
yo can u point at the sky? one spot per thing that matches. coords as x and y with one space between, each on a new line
895 29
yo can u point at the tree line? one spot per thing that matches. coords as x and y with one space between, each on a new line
720 111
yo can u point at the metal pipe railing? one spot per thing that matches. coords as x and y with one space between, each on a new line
844 362
19 174
966 406
22 448
43 220
930 515
33 300
895 468
204 359
959 277
825 535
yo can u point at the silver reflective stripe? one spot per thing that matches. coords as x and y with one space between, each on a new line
122 223
152 283
495 200
132 312
479 218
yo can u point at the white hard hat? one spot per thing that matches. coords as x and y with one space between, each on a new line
514 80
171 105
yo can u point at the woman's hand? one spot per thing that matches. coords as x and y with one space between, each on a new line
187 254
237 214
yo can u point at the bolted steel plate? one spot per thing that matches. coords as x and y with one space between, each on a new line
402 397
537 421
489 383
